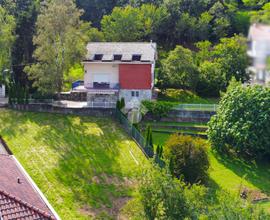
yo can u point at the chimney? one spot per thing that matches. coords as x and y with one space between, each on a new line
19 180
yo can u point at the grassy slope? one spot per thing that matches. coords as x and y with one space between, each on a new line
179 96
230 174
78 162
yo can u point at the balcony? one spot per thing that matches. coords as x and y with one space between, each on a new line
103 88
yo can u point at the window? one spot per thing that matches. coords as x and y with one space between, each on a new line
98 57
117 57
135 93
136 57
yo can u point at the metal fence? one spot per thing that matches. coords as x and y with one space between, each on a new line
197 107
111 105
134 133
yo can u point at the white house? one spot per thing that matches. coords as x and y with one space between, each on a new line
119 70
259 52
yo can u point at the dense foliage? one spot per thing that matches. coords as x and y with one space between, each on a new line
60 43
164 197
188 158
7 37
158 109
242 121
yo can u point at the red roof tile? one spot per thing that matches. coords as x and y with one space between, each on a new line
13 208
18 197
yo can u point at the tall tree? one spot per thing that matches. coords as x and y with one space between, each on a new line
60 42
7 37
179 69
133 24
25 13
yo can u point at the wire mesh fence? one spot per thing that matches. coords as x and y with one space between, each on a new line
134 133
197 107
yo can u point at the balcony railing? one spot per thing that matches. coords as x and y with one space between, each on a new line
103 86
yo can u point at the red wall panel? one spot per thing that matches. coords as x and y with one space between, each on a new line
135 76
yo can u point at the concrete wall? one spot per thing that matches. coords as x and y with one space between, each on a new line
94 69
2 91
143 94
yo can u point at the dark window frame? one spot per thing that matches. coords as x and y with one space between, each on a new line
98 57
136 57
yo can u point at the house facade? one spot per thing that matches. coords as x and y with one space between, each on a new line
259 52
119 70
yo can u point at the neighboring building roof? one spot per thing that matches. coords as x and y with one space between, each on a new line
19 199
130 52
259 32
14 208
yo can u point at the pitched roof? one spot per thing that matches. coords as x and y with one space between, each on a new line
259 32
14 208
19 199
147 51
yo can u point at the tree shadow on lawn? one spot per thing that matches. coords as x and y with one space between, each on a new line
85 147
258 174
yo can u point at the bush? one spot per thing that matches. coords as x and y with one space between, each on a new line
158 109
188 158
242 121
165 197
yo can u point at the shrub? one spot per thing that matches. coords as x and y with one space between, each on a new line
149 141
188 158
164 197
158 109
242 121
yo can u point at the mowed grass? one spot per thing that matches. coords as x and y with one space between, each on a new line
83 165
231 174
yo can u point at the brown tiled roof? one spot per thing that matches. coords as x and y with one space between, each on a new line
18 196
14 208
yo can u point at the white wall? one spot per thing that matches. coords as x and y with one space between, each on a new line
2 91
92 70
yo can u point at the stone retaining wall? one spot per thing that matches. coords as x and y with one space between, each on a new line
96 112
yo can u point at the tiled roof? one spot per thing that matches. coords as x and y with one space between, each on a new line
18 196
14 208
147 51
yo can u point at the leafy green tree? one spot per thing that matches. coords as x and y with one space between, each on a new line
95 10
133 24
262 16
25 14
212 79
179 69
164 197
231 54
7 37
242 121
124 24
60 43
189 158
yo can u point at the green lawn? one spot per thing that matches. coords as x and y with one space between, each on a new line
230 174
84 165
